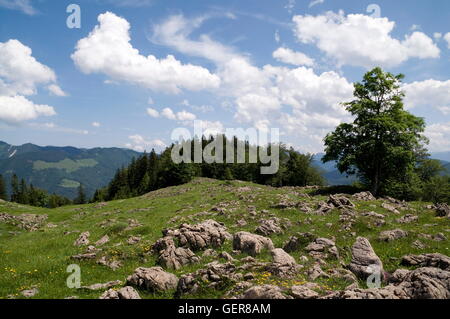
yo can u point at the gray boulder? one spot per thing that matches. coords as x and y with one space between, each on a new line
123 293
390 235
364 259
153 279
251 244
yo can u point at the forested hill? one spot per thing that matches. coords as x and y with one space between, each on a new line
61 169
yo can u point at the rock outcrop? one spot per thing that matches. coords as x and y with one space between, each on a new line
126 292
364 259
201 236
390 235
265 292
427 260
251 244
153 279
322 248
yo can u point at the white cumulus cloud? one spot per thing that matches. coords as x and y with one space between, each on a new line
20 72
16 109
152 112
447 38
289 56
140 144
429 93
107 49
362 40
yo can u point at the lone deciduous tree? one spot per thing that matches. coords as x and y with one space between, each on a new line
384 142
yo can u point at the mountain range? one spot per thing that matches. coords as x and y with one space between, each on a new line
60 170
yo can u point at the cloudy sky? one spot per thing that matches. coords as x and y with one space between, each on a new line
137 69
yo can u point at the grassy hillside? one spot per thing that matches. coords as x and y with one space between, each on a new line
40 258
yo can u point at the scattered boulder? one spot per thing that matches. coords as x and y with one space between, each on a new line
442 210
83 239
226 256
109 262
390 235
364 259
28 222
28 293
126 292
390 208
284 265
303 207
102 241
427 260
241 223
106 285
251 244
201 236
281 257
173 257
422 283
323 208
316 272
364 196
303 292
340 201
409 218
85 256
418 244
132 240
269 227
322 248
214 275
153 279
265 292
209 253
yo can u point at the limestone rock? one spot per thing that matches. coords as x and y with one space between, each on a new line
102 241
390 208
126 292
422 283
322 248
30 292
201 236
427 260
364 259
316 272
409 218
106 285
442 210
83 239
303 292
364 196
265 292
390 235
132 240
215 274
251 244
340 201
153 279
269 227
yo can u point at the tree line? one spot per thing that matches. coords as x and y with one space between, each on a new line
153 171
22 193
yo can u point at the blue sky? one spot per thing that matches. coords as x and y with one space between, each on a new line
264 64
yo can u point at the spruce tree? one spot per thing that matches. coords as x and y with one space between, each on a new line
3 195
14 188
